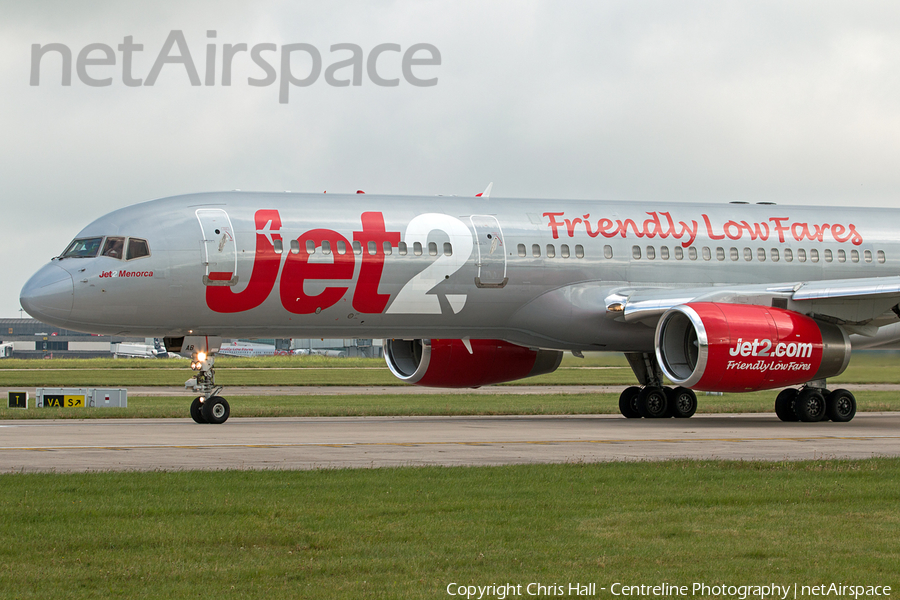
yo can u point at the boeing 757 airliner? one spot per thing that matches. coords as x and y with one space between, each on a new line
729 297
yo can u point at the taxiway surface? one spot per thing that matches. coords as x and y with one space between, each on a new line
335 442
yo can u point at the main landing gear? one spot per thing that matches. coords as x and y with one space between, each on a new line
811 404
208 407
652 400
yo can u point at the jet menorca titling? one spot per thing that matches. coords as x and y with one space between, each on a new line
470 292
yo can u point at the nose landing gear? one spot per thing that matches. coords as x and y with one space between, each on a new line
214 410
208 407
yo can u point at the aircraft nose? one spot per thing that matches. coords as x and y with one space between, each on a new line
48 295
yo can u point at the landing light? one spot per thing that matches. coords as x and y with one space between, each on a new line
201 356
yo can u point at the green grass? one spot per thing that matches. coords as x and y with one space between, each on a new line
262 362
277 370
176 377
872 367
409 532
301 376
599 369
421 404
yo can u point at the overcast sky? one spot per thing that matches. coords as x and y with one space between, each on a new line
684 101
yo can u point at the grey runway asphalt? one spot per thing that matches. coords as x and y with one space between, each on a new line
332 442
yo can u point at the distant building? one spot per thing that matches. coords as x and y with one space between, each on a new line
30 338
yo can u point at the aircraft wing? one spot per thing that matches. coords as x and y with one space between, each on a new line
871 287
860 305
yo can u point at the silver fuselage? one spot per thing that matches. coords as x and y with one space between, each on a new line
476 268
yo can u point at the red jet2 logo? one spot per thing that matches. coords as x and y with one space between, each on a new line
417 296
297 269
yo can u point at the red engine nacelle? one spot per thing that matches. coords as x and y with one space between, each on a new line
450 364
741 347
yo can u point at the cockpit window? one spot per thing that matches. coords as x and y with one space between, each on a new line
83 248
114 247
137 248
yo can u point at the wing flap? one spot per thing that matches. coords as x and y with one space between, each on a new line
871 287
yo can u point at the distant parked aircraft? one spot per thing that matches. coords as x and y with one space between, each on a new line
251 349
140 350
124 350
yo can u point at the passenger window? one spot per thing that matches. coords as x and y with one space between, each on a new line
692 253
551 251
707 254
521 249
278 246
720 253
564 251
536 250
854 256
842 256
310 247
881 256
357 247
651 252
761 254
814 255
774 255
579 251
748 254
679 253
417 248
388 249
734 254
137 248
664 252
828 256
788 255
607 252
868 255
801 255
401 248
342 247
636 252
326 247
373 249
448 249
114 247
432 248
